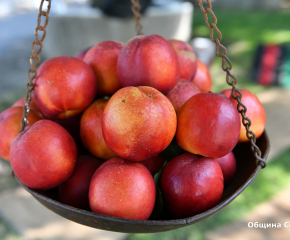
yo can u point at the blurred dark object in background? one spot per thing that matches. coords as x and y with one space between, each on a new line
119 8
272 65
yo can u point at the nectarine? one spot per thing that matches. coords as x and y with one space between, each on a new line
64 87
148 61
255 112
202 78
102 58
191 184
75 190
208 124
122 189
183 91
228 165
138 123
187 58
10 125
91 130
44 155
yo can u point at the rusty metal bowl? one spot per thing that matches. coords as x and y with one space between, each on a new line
247 170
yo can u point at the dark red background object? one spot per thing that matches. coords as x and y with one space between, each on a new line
269 61
268 64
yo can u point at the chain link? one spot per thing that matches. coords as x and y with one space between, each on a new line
236 93
35 59
137 16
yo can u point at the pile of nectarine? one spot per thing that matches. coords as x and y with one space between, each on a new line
100 123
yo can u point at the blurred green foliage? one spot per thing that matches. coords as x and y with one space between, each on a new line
242 33
268 182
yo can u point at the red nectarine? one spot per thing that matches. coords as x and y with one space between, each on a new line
208 124
138 123
202 78
75 190
44 155
122 189
64 87
10 125
183 91
255 112
187 58
228 165
102 58
191 184
91 130
148 61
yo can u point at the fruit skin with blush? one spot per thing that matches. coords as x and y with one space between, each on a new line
64 87
43 156
138 123
202 78
228 165
10 125
91 130
208 124
183 91
75 190
187 58
102 58
122 189
148 61
255 112
191 184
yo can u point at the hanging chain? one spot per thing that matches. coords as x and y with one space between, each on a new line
35 56
137 16
236 93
